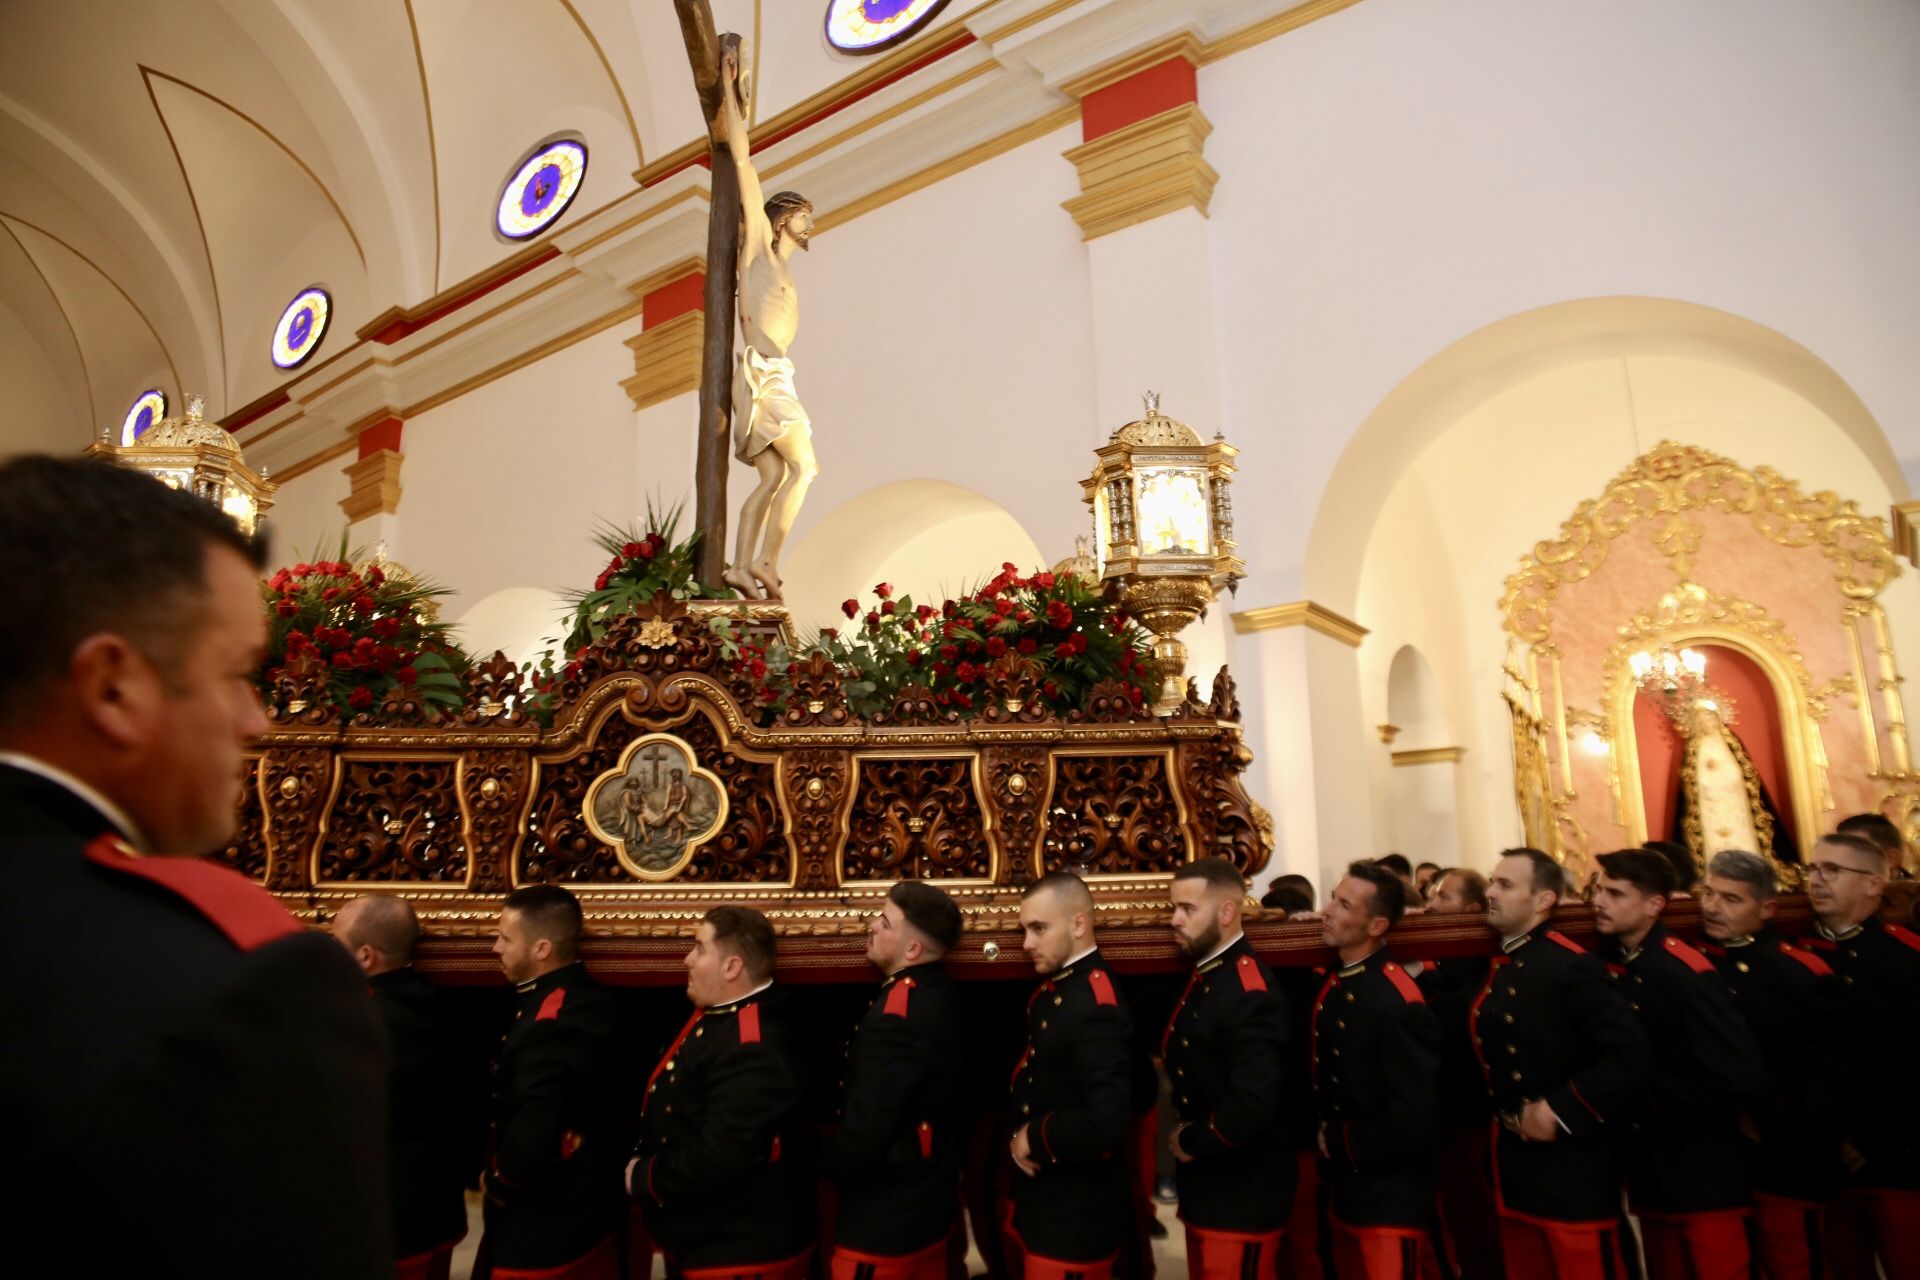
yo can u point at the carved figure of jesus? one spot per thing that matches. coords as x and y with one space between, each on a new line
772 433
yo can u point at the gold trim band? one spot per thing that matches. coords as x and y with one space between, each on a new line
1301 613
1428 755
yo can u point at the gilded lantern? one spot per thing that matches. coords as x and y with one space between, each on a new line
190 453
1163 530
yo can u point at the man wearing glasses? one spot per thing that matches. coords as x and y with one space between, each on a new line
1878 1209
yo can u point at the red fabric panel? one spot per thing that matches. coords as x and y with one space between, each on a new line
1233 1255
435 1264
1303 1237
1569 1251
1757 708
928 1264
1383 1253
1659 748
384 434
602 1262
1161 87
1789 1236
1696 1246
674 298
798 1267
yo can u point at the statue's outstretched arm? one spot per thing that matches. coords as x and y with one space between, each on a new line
753 202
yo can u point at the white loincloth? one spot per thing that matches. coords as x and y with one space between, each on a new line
765 407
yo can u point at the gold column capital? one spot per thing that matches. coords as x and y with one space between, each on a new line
666 359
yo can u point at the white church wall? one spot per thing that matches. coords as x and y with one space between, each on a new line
1400 174
306 518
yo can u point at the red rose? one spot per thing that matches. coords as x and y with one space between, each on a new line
342 659
1060 614
948 608
996 647
964 672
1002 606
873 620
884 590
406 675
973 649
757 669
1044 581
1136 693
962 700
329 594
363 646
280 581
887 608
600 583
951 652
1007 567
649 549
1051 689
375 577
363 605
631 551
913 658
944 699
923 611
360 699
1028 644
286 608
386 657
941 671
850 607
302 569
386 628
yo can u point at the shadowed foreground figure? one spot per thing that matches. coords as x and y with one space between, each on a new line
166 1019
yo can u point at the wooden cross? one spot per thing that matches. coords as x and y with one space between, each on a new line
712 454
654 755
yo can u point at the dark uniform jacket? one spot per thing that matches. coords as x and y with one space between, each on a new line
1376 1078
1551 1024
192 1085
1072 1090
1225 1051
1299 1117
1450 987
1684 1152
719 1178
1879 969
1790 1000
553 1179
897 1150
423 1123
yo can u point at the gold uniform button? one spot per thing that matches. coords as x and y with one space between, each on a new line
1507 1016
1741 965
1513 1048
1516 1075
1025 1110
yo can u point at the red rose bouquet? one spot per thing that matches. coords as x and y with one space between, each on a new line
371 628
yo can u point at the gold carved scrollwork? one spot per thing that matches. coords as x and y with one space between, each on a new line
1671 479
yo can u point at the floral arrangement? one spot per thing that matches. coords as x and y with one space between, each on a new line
369 631
1072 633
640 566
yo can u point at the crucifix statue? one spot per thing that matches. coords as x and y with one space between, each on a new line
749 243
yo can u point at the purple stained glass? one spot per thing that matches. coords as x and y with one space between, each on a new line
881 10
141 423
539 192
301 329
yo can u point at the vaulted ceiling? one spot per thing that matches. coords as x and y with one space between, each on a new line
173 172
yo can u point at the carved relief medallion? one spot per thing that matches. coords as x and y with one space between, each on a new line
656 806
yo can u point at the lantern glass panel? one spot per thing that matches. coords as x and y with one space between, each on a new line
1102 529
1173 512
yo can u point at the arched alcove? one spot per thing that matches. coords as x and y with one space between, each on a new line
926 537
1422 780
1482 454
520 622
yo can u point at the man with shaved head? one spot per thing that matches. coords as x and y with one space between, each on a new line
429 1213
1071 1095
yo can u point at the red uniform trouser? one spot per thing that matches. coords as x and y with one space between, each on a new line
434 1264
602 1262
1790 1238
1696 1246
929 1263
1467 1208
1027 1265
798 1267
1141 1163
1561 1250
1383 1253
1866 1222
1307 1244
1233 1255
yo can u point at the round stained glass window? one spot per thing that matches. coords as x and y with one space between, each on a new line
147 410
301 327
541 189
867 26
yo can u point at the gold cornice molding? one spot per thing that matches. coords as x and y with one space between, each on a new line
1185 45
1149 168
979 153
666 359
667 275
376 486
1279 24
1428 755
1906 530
1300 613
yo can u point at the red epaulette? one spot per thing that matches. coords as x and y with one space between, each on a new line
897 998
1713 949
1906 936
1688 956
1409 989
550 1007
1251 979
750 1024
1566 942
1807 958
235 905
1102 987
